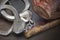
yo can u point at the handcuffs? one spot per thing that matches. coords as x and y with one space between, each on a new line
22 22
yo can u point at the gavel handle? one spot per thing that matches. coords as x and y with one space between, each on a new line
38 29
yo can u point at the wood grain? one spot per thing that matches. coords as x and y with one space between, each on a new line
38 29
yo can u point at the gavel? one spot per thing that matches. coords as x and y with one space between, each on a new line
41 28
48 10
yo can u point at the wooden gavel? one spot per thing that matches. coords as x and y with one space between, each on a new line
41 28
47 9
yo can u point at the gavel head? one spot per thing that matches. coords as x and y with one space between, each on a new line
47 9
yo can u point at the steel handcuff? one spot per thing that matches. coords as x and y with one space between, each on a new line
11 18
26 13
18 21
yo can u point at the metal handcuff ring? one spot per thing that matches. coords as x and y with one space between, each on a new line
17 21
11 18
17 29
26 15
